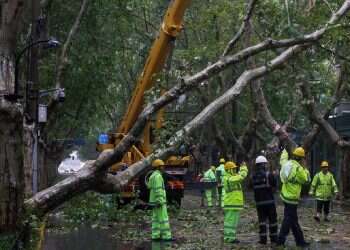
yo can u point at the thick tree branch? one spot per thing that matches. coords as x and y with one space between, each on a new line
248 76
338 94
316 116
264 112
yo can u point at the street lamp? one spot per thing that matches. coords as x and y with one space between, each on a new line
50 43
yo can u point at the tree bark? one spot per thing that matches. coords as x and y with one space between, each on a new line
11 130
11 169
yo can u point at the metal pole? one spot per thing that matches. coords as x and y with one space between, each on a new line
35 161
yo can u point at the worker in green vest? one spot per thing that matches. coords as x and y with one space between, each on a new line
293 175
220 173
209 176
233 201
324 187
157 200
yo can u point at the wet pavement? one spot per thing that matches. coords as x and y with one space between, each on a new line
196 227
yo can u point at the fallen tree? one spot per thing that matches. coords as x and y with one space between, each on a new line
92 174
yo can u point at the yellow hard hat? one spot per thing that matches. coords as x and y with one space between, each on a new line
213 168
222 160
157 163
299 151
324 164
230 165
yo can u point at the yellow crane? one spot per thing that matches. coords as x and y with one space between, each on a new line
160 50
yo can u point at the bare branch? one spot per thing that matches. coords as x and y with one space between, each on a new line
271 123
242 29
62 60
318 118
338 94
63 57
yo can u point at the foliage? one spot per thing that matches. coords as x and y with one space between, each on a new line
107 55
91 208
7 241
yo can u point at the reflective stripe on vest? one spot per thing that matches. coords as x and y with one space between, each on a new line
233 206
291 200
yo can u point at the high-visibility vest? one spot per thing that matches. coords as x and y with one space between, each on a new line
234 199
220 173
293 177
323 186
209 176
157 190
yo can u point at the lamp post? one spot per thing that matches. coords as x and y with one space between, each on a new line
51 43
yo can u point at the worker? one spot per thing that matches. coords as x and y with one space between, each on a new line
199 178
157 200
209 176
233 201
220 173
293 176
264 185
324 187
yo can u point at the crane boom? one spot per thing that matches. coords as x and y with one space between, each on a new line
160 50
171 26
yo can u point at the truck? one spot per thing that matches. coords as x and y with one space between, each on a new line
175 166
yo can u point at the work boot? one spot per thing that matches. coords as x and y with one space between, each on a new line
317 218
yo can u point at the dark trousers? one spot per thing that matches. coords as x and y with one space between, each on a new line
290 222
324 205
267 214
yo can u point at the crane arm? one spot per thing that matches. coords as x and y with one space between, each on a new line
171 26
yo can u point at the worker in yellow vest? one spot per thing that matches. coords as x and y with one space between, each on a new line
293 175
157 200
324 188
233 200
210 192
220 173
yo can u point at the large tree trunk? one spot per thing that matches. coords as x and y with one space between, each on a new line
11 170
11 123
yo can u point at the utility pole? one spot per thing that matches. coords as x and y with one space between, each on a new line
33 90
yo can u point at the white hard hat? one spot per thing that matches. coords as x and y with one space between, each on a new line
260 159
